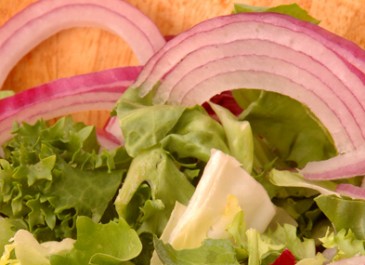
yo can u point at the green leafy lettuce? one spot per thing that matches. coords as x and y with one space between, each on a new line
292 138
111 243
49 175
211 252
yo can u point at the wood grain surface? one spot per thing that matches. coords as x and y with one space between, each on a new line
84 50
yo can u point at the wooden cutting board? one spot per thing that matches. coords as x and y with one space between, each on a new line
83 50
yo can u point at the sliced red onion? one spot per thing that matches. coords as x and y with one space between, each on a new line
107 140
342 166
295 34
195 67
44 18
352 191
112 127
274 75
298 59
95 91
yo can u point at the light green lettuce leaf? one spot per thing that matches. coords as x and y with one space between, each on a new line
211 252
294 137
195 135
6 232
345 243
260 248
285 178
24 249
287 235
239 136
344 213
145 127
293 10
153 184
101 244
184 132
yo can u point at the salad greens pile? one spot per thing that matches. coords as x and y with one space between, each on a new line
66 200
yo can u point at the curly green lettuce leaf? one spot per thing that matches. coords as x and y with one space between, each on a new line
293 10
345 243
111 243
52 173
260 248
287 234
209 253
253 247
293 137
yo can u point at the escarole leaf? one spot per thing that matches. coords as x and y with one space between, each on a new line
293 10
295 137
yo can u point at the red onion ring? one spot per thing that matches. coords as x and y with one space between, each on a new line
352 191
95 91
338 98
44 18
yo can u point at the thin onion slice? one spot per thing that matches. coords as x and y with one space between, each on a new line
245 54
352 191
342 166
300 35
278 76
44 18
95 91
317 73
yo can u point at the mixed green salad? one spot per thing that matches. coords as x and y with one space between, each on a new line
210 184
